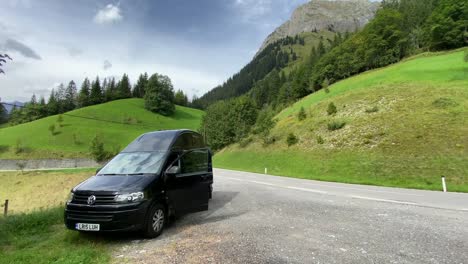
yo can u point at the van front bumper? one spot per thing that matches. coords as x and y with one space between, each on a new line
128 217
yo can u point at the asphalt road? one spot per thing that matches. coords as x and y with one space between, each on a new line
255 218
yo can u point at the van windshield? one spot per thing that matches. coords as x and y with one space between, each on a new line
134 163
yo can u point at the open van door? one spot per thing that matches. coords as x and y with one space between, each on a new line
188 186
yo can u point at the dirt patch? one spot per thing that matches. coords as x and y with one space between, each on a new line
192 244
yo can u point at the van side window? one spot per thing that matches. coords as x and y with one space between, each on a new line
184 142
195 161
197 141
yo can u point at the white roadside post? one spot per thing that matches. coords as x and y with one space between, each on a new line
266 171
444 186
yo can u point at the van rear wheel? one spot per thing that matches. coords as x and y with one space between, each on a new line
155 221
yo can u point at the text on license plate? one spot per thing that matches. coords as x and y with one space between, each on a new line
87 227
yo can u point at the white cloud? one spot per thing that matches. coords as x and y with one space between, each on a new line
253 9
109 14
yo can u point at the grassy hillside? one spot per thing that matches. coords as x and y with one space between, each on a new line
124 121
405 125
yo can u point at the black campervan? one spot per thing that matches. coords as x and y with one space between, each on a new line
159 175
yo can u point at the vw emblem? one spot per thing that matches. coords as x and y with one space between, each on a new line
91 200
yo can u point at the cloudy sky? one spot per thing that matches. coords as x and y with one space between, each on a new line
198 44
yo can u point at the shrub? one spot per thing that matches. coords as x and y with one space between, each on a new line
331 110
320 140
325 85
60 120
264 122
245 142
75 139
335 125
19 147
302 114
97 149
291 139
52 129
269 140
372 110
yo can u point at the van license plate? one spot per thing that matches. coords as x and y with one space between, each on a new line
87 227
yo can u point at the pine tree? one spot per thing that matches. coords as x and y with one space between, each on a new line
3 114
52 104
83 97
60 97
70 97
95 96
110 92
139 88
180 98
105 86
124 88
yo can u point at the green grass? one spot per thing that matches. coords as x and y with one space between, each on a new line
34 231
417 134
32 190
41 237
129 120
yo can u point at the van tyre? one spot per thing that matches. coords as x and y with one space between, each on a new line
155 221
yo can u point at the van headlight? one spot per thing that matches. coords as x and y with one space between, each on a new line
70 197
130 197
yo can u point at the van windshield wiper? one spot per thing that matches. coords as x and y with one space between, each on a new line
139 174
111 174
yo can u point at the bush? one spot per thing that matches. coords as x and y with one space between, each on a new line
60 120
97 149
336 125
302 114
264 122
245 142
19 147
269 140
52 129
372 110
291 139
320 140
75 139
159 95
331 110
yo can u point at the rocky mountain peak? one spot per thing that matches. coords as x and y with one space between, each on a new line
332 15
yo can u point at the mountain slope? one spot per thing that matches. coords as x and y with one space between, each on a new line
318 15
405 125
116 122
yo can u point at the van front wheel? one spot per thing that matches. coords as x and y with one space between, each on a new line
155 221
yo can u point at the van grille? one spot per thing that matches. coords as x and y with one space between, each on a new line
87 216
100 199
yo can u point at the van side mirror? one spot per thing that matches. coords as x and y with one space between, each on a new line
174 170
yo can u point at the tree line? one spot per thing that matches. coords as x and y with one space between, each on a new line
400 28
271 57
157 90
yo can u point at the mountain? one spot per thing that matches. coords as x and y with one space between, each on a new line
312 24
116 122
318 15
9 106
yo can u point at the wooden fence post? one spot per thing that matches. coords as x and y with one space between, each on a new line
5 209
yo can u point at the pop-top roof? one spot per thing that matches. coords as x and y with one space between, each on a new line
154 141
